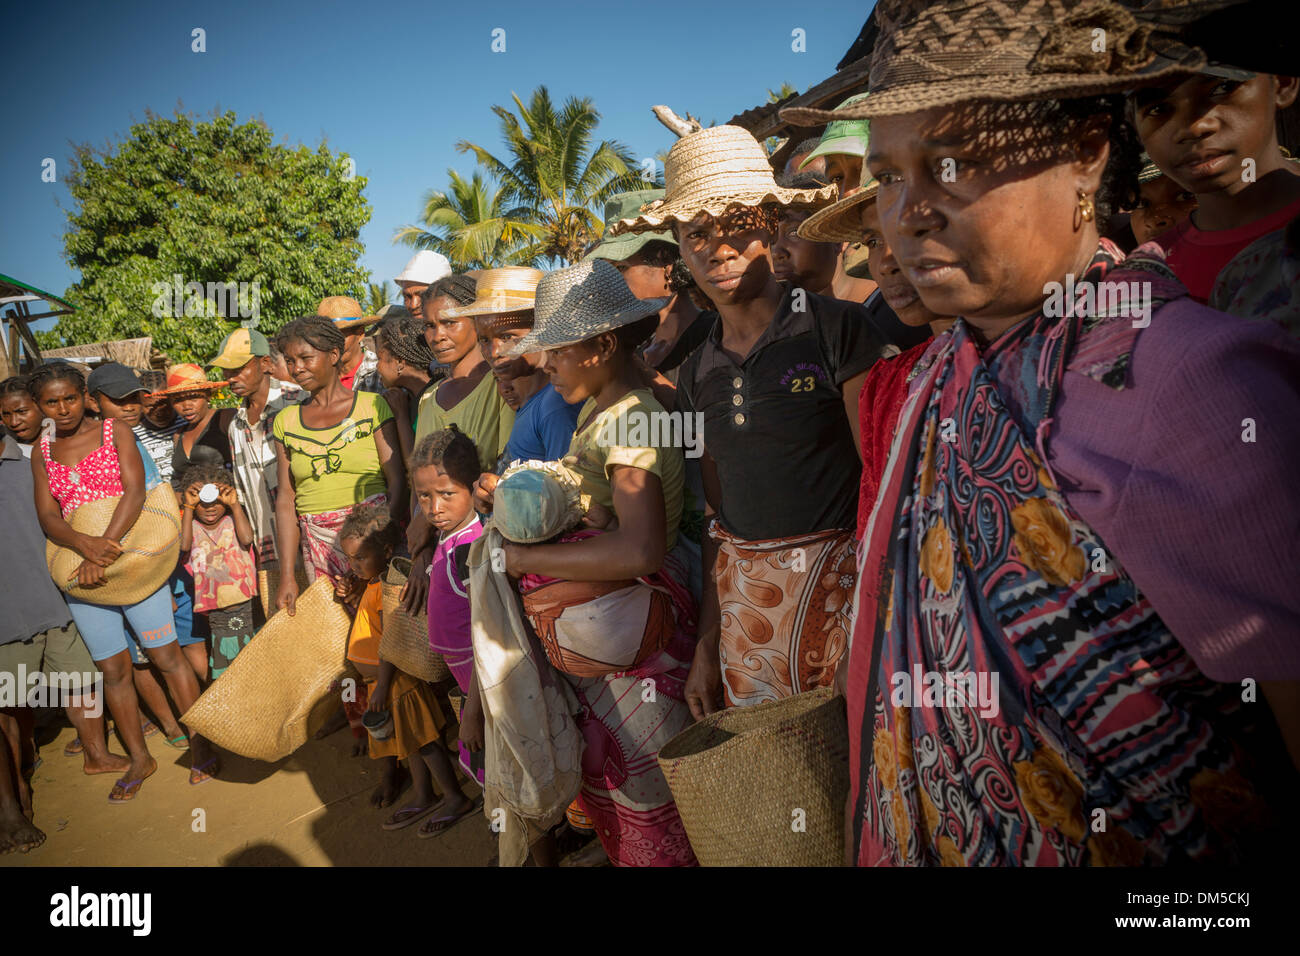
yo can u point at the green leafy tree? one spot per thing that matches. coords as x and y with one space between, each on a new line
473 225
215 203
555 169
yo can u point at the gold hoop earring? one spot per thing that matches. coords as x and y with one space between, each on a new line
1086 208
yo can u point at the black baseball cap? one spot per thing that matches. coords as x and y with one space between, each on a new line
114 380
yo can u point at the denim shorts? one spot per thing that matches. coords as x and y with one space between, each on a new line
104 626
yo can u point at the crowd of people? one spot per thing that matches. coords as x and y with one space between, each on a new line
914 457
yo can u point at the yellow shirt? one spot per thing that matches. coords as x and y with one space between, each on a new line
338 466
633 432
482 415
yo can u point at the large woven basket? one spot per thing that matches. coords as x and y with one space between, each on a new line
149 549
405 641
261 707
268 584
764 785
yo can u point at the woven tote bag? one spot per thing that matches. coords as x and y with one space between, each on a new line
150 550
405 641
764 785
261 707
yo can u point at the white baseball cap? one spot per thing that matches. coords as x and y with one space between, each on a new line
425 267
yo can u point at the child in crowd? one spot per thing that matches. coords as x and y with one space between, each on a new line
369 538
158 422
444 468
1162 204
1216 137
216 533
19 412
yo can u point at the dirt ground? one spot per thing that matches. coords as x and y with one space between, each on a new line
310 809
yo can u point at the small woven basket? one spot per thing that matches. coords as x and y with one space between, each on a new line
150 550
405 641
262 706
268 583
764 785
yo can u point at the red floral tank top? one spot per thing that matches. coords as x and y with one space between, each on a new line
95 477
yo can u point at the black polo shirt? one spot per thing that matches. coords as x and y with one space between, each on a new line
775 423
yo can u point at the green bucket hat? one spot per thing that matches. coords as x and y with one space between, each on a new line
628 206
845 137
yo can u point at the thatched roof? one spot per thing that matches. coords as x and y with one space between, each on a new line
134 353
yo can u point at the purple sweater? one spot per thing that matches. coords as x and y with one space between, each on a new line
1207 524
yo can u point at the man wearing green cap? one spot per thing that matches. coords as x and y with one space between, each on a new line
245 355
646 261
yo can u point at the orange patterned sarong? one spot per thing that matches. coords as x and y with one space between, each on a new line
786 605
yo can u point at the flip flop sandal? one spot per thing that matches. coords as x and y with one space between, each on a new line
149 728
412 815
203 768
437 826
180 743
129 788
74 748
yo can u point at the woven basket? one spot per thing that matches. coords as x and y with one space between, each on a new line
405 641
150 549
739 777
268 583
261 707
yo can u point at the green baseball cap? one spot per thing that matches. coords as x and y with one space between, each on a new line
627 206
845 137
240 347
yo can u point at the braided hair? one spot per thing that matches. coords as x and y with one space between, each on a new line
55 372
314 330
374 525
403 336
449 450
459 287
14 385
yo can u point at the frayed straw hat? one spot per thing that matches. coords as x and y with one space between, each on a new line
840 221
933 53
580 301
711 170
509 289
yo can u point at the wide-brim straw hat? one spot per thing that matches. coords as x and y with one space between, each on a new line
345 311
842 220
509 289
149 550
579 301
933 53
710 171
536 500
187 378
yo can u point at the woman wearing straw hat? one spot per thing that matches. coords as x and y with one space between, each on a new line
775 381
589 324
1041 626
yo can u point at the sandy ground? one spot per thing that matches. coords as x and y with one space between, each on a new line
310 809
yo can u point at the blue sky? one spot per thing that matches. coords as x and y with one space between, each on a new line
395 85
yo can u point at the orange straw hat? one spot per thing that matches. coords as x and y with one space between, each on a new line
187 378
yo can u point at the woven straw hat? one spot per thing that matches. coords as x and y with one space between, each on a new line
580 301
841 221
510 289
711 170
187 378
536 500
933 53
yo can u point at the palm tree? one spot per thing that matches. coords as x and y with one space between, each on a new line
554 170
378 295
472 225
